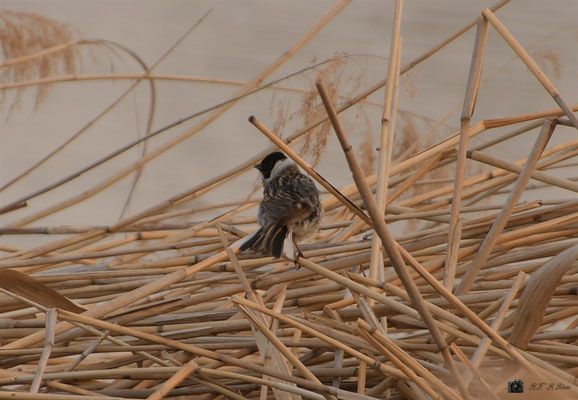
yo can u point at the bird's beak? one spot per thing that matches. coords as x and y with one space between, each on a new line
258 166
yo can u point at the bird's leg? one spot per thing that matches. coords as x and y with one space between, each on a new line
290 248
299 253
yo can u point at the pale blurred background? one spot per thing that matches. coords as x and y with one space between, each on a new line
235 42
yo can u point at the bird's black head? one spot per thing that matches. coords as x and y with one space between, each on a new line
268 163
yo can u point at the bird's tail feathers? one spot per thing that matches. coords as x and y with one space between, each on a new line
250 242
269 238
278 241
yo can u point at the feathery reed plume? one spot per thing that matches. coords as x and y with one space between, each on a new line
24 34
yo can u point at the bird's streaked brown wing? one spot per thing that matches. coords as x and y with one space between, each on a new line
291 197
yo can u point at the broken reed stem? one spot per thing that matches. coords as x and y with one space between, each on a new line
265 382
47 396
288 354
408 183
449 143
174 380
400 364
195 350
481 350
472 370
48 346
124 299
386 137
395 350
522 357
512 167
387 240
501 221
474 78
13 207
532 66
386 370
494 178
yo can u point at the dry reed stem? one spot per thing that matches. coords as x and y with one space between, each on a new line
472 370
474 78
532 66
70 388
292 358
400 364
177 378
386 370
451 142
500 222
42 53
13 207
305 310
387 240
48 346
411 181
483 347
265 382
59 396
396 351
345 106
139 76
516 354
512 167
272 349
155 339
387 135
127 298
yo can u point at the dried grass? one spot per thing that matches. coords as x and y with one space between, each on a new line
173 311
23 34
312 109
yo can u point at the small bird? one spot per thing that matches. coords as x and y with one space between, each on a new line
290 210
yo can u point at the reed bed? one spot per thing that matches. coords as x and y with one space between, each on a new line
152 308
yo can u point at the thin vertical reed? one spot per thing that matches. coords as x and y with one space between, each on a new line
474 78
387 134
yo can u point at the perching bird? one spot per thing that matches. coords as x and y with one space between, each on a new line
290 209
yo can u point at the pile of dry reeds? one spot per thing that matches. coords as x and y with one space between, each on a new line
485 294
